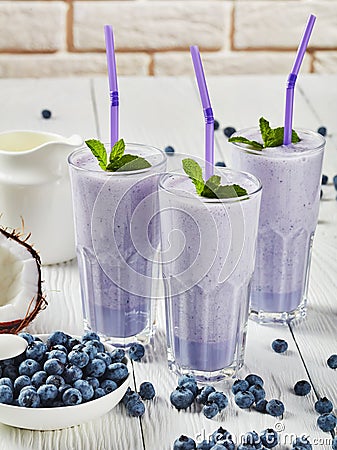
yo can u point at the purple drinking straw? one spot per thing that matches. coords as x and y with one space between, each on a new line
288 117
114 101
208 112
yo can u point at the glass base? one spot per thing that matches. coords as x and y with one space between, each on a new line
144 337
202 376
280 318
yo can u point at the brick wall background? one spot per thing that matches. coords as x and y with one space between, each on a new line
152 37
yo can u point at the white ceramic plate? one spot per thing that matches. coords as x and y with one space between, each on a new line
62 417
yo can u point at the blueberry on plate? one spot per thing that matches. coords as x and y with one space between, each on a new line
147 391
6 394
302 388
107 385
332 362
87 390
275 408
72 397
327 422
96 368
78 358
181 397
323 406
117 355
20 382
90 336
279 345
53 367
116 371
46 114
29 367
47 393
184 443
136 351
322 131
29 398
169 150
220 164
58 337
228 131
39 378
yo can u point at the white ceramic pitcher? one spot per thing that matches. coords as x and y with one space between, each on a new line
35 190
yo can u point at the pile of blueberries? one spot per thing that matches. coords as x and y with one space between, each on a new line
63 371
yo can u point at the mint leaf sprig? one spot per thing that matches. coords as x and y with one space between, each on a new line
272 137
212 187
118 161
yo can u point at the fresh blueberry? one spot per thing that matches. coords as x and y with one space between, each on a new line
10 371
244 399
72 397
99 392
240 385
204 445
279 345
117 355
334 180
228 131
181 397
301 443
302 388
96 368
192 386
169 150
71 343
104 357
127 394
20 382
220 164
269 438
90 348
252 438
7 382
39 378
78 358
322 131
27 336
210 409
6 394
53 367
58 354
58 337
108 386
117 372
36 350
93 381
29 398
136 409
258 392
184 443
47 393
323 406
29 367
261 405
327 422
56 380
186 378
46 114
219 398
147 391
254 379
96 343
62 389
325 179
334 443
332 360
275 408
204 393
244 446
132 398
59 347
216 125
90 336
136 351
220 435
86 389
72 373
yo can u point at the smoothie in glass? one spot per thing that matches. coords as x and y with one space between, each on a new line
117 240
208 253
291 178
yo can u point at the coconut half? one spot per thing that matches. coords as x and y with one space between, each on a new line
20 282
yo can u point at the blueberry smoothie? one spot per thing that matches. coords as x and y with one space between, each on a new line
291 178
208 253
117 238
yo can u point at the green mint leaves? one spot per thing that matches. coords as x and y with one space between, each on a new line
272 137
118 161
212 187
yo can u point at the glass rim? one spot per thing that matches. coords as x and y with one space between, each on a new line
164 176
99 170
310 151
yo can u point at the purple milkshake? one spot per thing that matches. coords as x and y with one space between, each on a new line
117 238
291 178
208 252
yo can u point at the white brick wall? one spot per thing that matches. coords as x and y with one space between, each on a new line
152 37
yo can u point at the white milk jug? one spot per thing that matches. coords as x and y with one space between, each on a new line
35 190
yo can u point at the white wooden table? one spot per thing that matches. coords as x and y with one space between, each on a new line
163 112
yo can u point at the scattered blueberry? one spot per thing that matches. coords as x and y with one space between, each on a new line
220 435
192 386
169 150
258 392
269 438
332 362
220 164
302 388
210 409
323 406
29 398
204 445
275 408
181 398
334 443
135 409
147 391
204 393
6 394
325 179
335 181
252 438
72 397
132 397
216 125
301 443
321 194
240 385
322 131
244 399
219 398
46 114
261 405
279 345
254 379
184 443
228 131
136 351
327 422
